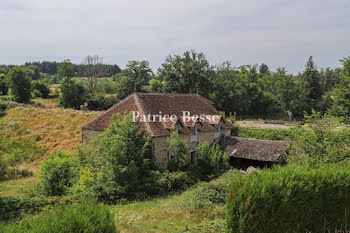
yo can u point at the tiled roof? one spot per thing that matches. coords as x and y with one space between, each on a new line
161 104
246 148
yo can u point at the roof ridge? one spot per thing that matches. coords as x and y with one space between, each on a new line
108 110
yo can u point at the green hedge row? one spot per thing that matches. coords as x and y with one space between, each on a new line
290 199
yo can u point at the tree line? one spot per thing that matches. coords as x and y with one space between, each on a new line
252 90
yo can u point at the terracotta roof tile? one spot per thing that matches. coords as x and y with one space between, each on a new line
160 104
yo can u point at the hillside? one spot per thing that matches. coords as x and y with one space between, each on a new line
51 129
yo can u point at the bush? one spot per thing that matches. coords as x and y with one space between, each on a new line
3 85
40 89
174 181
88 216
3 168
99 102
205 197
17 151
57 174
14 207
290 199
211 162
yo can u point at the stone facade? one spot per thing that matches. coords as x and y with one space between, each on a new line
160 145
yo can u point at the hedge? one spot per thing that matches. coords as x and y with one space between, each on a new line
290 199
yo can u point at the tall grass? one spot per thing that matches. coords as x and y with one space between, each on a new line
87 216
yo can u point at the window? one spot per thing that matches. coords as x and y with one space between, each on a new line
193 156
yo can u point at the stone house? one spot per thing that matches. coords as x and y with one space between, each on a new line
195 119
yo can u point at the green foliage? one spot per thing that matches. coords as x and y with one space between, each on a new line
101 102
177 152
3 107
322 142
186 74
312 85
20 85
40 89
65 70
72 93
58 174
340 94
3 168
205 197
290 199
14 207
173 182
88 216
119 164
265 134
211 161
3 85
21 150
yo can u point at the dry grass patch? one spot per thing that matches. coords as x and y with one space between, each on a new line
18 186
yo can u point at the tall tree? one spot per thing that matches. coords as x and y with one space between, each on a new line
20 85
186 74
312 84
92 68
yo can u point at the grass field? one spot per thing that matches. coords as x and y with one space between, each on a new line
50 129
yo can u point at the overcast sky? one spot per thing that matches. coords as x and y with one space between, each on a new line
277 32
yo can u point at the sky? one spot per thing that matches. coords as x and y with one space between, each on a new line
279 33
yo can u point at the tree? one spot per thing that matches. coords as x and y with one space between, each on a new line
120 163
92 68
72 93
20 85
134 76
186 74
3 85
312 84
340 94
65 70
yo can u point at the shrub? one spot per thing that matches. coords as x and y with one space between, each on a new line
99 102
322 142
13 207
20 85
204 197
57 174
177 149
290 199
88 216
174 181
21 150
40 89
211 161
3 168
